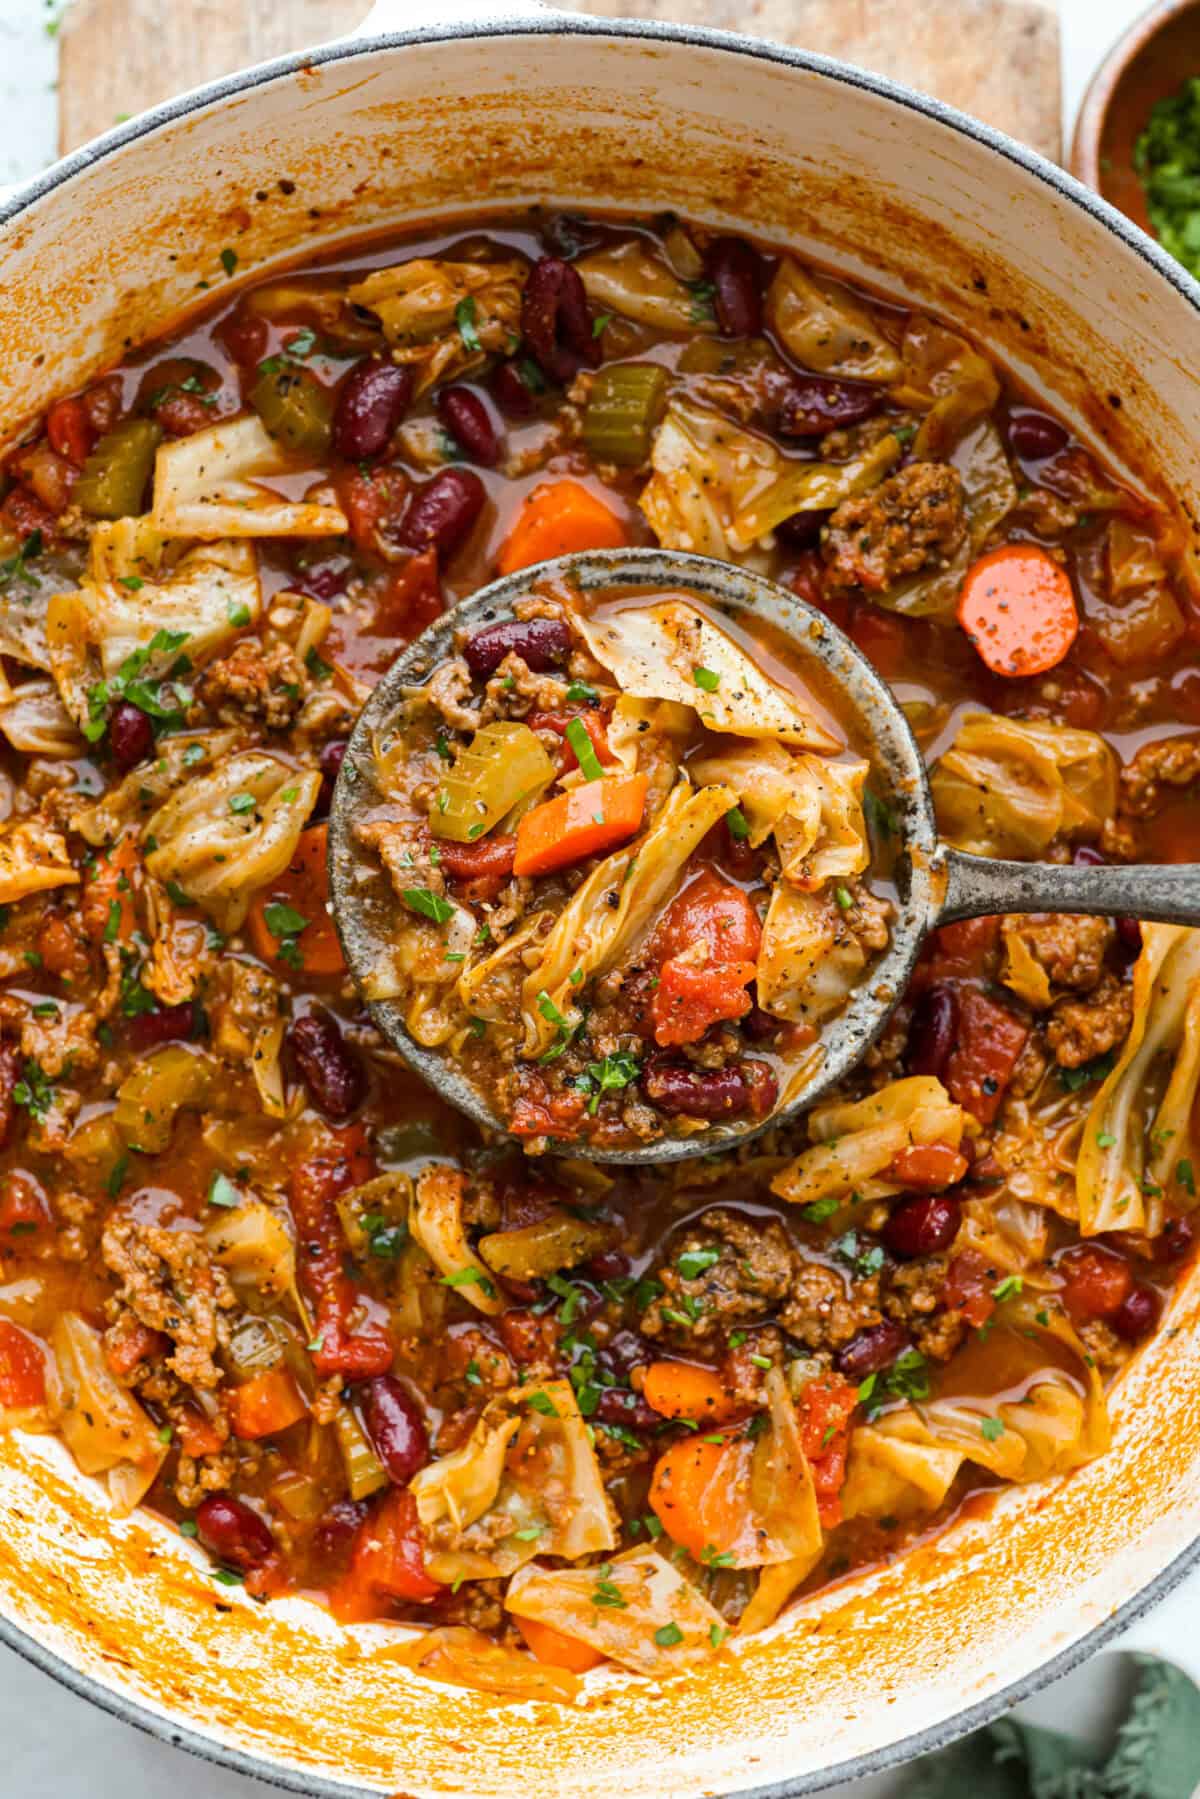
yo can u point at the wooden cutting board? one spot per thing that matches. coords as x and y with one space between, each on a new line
997 59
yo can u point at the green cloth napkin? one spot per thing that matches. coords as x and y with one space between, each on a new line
1156 1754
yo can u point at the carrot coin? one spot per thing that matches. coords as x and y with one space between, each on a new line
1018 610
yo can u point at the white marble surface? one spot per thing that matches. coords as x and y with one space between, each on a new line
58 1747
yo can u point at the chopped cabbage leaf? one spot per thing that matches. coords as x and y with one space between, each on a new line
1118 1185
823 837
35 721
590 935
533 1251
228 832
826 329
1134 560
776 1585
491 990
654 653
631 280
946 379
445 317
809 959
1009 787
655 1621
763 774
648 737
717 488
461 1656
209 485
1010 1234
33 859
104 1427
437 1225
254 1246
854 1142
189 611
1022 973
525 1483
178 758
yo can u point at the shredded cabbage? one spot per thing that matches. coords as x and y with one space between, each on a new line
35 721
437 1225
33 859
229 832
525 1483
826 329
464 1657
854 1142
946 379
647 1597
654 652
209 485
634 282
1009 788
104 1427
445 317
809 959
1118 1184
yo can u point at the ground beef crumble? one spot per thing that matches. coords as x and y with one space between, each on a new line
916 519
169 1282
752 1272
1078 1030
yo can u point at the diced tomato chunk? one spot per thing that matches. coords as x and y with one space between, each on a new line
928 1167
962 948
410 598
690 998
387 1562
130 1343
592 722
712 912
1097 1281
372 501
25 515
24 1209
22 1368
824 1408
968 1287
990 1041
315 1187
198 1435
882 639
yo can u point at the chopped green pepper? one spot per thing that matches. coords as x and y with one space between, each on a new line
294 406
114 478
624 406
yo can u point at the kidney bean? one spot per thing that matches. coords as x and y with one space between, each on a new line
608 1265
872 1349
103 403
758 1025
332 1074
324 579
337 1527
814 404
231 1531
699 1093
556 320
245 336
1137 1315
513 390
1033 436
372 401
736 275
170 1024
624 1351
1175 1241
541 643
922 1226
466 418
528 1336
130 735
616 1406
330 764
802 531
931 1031
396 1426
442 512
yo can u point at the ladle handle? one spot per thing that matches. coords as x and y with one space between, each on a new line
977 885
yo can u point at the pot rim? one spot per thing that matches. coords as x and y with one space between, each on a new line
935 1736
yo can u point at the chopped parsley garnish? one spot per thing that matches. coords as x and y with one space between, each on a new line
616 1072
567 1030
464 318
33 1091
112 924
667 1635
1185 1175
991 1429
907 1378
693 1262
1105 1139
607 1592
229 260
1095 1070
16 568
706 679
715 1558
241 803
428 904
819 1210
318 668
717 1634
472 1375
541 1402
285 925
163 700
881 820
580 741
863 1258
844 898
188 1527
238 615
1167 159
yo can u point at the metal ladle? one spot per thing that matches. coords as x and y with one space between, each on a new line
934 884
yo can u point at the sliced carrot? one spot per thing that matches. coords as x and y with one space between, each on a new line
558 1650
266 1404
1018 609
697 1496
300 892
560 518
580 823
682 1390
108 909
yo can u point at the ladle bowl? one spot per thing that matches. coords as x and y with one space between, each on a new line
934 884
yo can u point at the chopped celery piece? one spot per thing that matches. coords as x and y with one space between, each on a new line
170 1081
365 1473
114 478
293 405
624 406
497 769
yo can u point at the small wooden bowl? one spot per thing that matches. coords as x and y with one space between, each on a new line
1154 57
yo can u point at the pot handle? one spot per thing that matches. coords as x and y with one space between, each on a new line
422 15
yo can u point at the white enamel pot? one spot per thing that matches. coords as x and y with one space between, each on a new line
422 117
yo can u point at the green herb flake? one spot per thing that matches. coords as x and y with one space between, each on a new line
1185 1175
706 679
819 1210
222 1192
1008 1288
229 260
469 1277
991 1429
242 803
428 904
693 1262
188 1527
1105 1139
735 820
581 693
668 1635
464 318
541 1402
